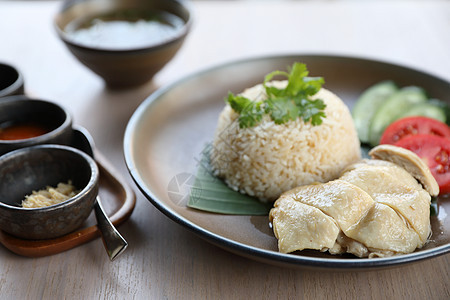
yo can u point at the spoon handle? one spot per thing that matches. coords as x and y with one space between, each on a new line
114 243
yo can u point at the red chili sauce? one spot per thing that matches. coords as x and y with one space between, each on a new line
20 131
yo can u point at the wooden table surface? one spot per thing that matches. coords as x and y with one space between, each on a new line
164 260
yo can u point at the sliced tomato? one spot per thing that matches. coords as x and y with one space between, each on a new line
435 151
411 126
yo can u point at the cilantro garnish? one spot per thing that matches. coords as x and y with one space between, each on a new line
283 105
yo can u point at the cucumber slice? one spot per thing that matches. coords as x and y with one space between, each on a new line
444 106
434 207
427 109
392 108
367 104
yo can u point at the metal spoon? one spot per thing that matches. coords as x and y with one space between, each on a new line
114 243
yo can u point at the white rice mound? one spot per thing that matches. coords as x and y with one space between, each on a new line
266 160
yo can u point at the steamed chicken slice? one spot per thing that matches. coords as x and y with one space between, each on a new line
298 226
410 162
384 232
379 209
344 202
393 186
311 217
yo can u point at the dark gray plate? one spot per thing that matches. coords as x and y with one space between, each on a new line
167 133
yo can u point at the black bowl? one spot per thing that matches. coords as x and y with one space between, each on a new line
21 109
11 81
33 168
130 65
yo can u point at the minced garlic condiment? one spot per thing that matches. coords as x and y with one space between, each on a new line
50 196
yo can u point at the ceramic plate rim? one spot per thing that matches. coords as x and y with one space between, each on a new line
267 256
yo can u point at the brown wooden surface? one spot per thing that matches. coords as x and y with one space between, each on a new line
164 260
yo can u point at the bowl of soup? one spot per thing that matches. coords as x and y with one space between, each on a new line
126 42
26 122
46 191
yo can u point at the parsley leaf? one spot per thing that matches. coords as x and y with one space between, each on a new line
250 112
282 110
283 105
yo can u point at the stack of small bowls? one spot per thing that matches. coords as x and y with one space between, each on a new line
33 162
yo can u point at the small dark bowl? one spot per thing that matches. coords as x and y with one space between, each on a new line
128 66
20 109
34 168
11 81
